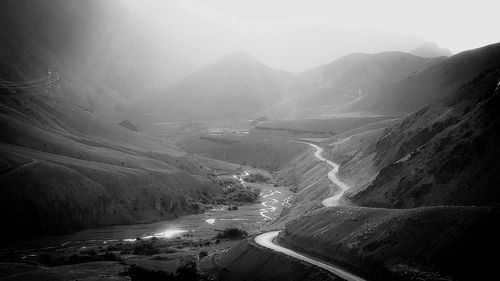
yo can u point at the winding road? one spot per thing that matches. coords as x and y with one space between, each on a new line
332 175
267 239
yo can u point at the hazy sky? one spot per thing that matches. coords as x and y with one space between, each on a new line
299 34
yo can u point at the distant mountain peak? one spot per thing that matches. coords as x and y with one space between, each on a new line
239 55
238 58
431 50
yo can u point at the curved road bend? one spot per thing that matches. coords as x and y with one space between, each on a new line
267 239
332 175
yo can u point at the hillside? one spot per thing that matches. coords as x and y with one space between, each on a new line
235 86
65 168
105 55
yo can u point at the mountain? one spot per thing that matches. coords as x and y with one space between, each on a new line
431 50
432 83
64 168
329 88
233 87
363 73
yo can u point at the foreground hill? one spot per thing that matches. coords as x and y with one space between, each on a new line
233 87
64 168
431 243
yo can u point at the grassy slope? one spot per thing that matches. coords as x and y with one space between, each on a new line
65 169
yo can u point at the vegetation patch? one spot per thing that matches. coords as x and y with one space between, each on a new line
232 233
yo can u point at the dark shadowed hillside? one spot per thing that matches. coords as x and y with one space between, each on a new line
443 153
64 168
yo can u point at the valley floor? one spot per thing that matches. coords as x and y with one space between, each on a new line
163 246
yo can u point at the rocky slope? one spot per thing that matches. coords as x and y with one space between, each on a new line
64 168
442 154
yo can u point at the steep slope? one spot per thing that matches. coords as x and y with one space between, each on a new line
443 154
64 168
430 50
432 83
233 87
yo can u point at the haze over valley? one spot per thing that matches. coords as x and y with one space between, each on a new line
249 140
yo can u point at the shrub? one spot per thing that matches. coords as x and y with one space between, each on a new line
145 248
232 233
188 271
202 254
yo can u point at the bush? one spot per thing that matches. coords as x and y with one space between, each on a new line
202 254
129 125
256 178
145 248
232 233
188 271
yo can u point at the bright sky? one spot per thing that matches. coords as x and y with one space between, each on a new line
458 25
298 34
